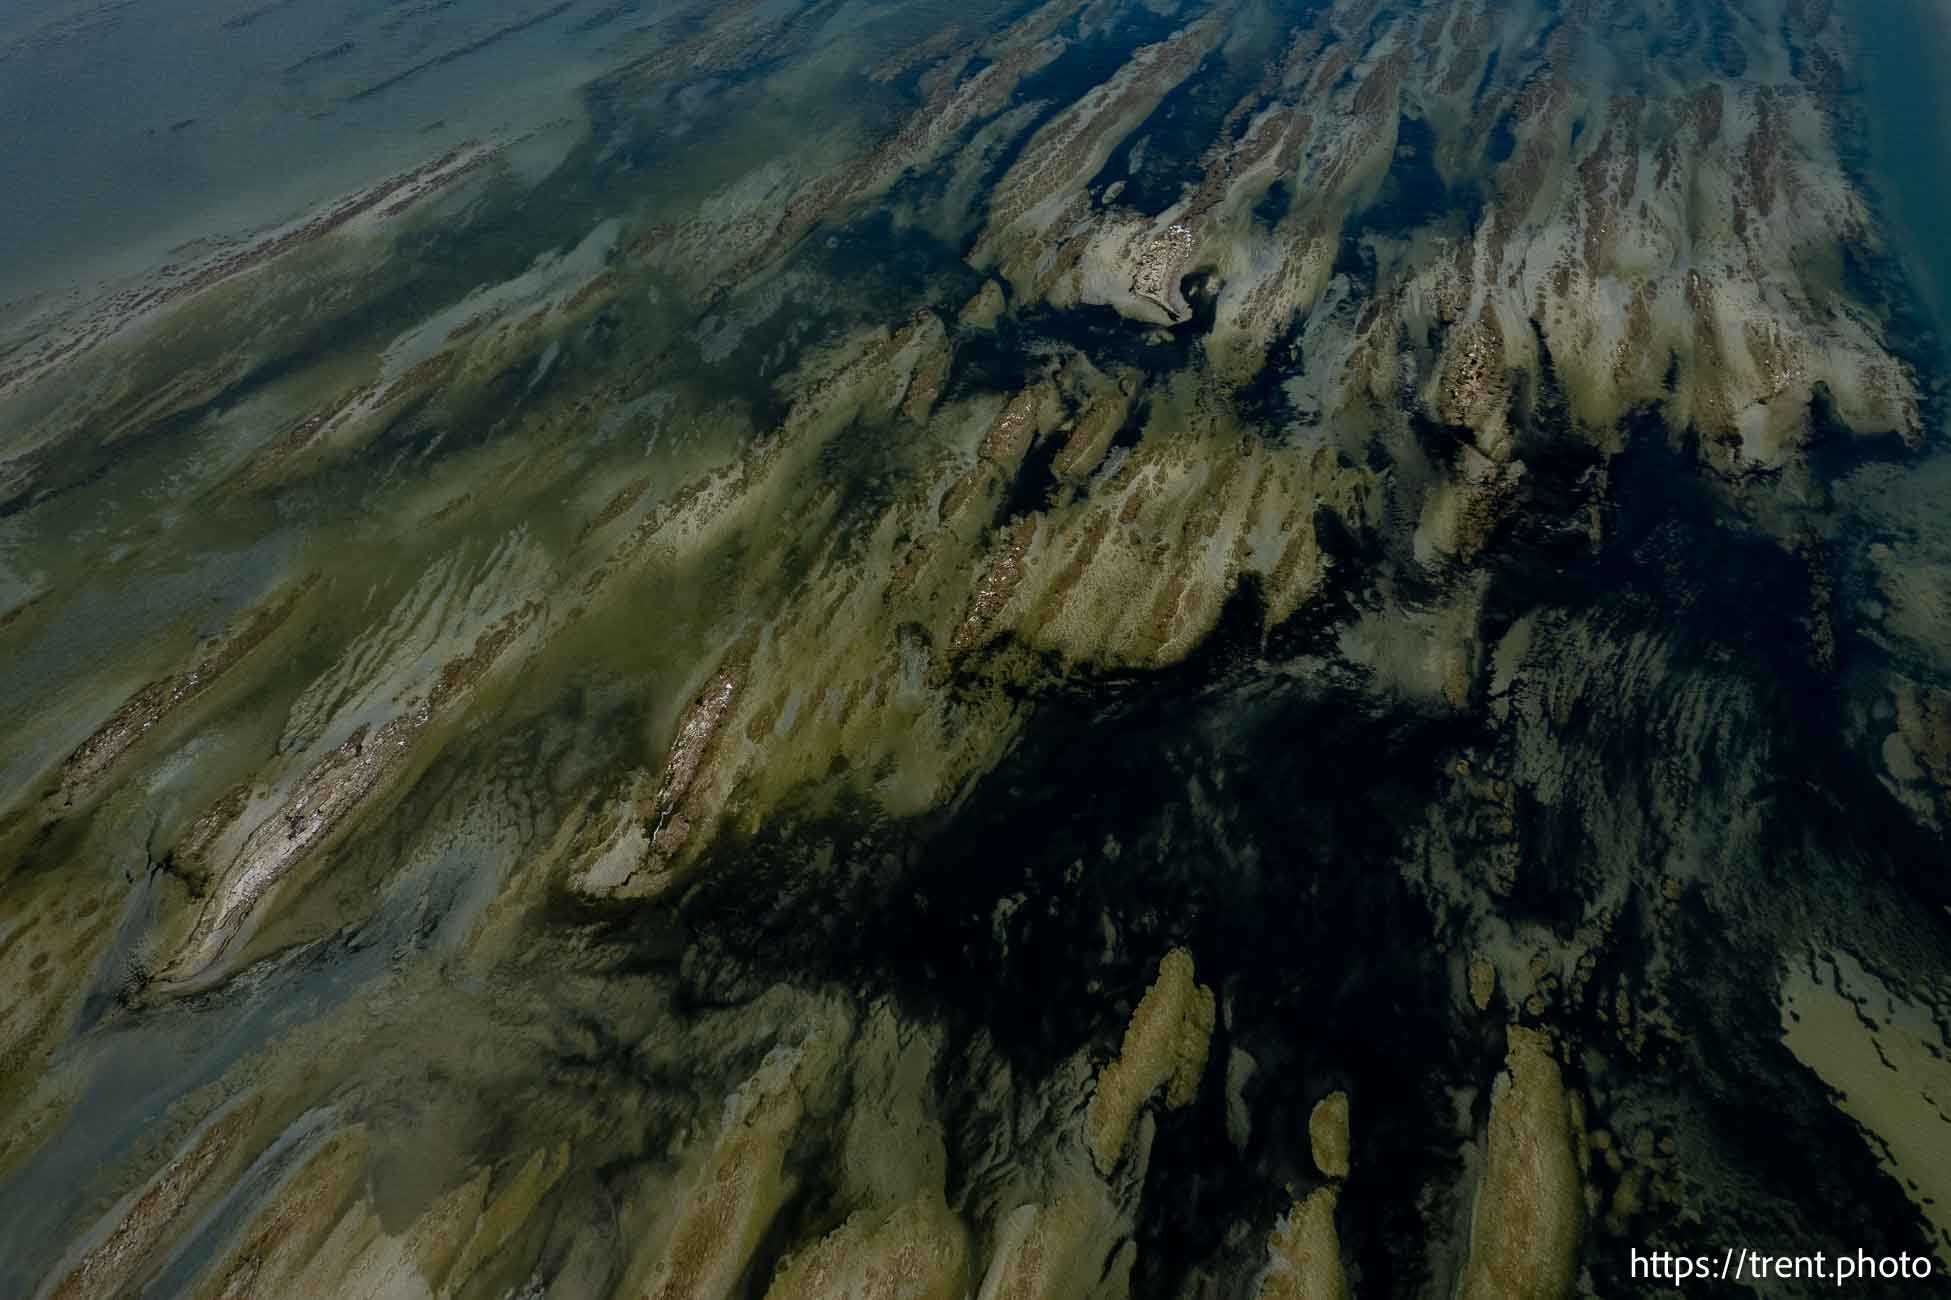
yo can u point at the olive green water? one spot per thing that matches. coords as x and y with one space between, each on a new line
1662 740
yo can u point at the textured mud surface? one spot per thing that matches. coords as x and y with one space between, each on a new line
1105 648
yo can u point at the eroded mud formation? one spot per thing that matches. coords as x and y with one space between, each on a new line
1287 650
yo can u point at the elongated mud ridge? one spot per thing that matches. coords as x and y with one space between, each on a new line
1150 650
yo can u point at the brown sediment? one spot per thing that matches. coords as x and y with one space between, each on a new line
193 847
57 927
925 388
514 1202
365 402
303 435
109 317
972 484
1165 1046
327 795
1082 451
919 1251
1713 408
982 310
274 1249
688 750
91 761
1525 1229
462 674
1066 151
110 1268
724 1206
1047 1250
1002 572
1475 391
1304 1252
626 496
1328 1137
677 810
1483 982
330 790
1161 262
1008 438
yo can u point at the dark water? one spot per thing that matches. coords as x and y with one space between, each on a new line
1909 118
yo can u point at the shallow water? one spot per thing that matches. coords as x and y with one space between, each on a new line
1633 710
1905 46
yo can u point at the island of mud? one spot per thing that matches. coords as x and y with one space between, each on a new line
1033 651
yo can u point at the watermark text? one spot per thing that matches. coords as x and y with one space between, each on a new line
1738 1264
